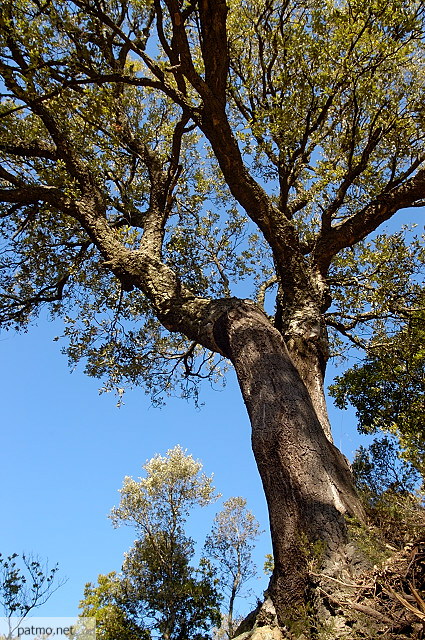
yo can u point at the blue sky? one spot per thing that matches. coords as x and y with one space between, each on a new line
66 449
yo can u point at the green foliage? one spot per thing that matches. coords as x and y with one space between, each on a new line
268 564
314 83
376 287
114 331
232 539
26 584
398 518
388 487
326 104
158 590
179 601
388 389
378 468
159 158
368 540
313 551
113 610
155 594
388 392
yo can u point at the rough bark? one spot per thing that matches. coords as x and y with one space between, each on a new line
306 480
307 358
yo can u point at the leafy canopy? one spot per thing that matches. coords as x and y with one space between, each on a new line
388 389
230 161
157 593
112 609
173 597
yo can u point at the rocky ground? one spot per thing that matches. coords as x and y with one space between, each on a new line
385 601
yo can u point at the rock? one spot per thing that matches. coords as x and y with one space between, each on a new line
261 624
262 633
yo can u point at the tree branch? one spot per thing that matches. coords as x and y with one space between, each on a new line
212 14
19 307
262 290
32 194
343 330
34 149
357 227
353 172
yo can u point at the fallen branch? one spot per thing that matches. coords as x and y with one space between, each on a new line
390 591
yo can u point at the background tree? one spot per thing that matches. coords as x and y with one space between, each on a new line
146 599
378 468
154 152
388 389
113 608
24 588
230 546
183 602
158 590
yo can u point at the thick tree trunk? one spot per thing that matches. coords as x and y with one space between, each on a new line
307 482
310 364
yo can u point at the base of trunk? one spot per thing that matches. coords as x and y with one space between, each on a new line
357 602
322 586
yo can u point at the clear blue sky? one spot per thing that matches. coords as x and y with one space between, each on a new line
65 451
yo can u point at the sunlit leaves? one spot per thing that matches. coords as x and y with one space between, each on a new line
101 332
161 500
388 389
107 604
40 251
100 101
375 285
158 588
212 252
320 86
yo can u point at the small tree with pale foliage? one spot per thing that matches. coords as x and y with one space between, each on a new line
162 500
230 546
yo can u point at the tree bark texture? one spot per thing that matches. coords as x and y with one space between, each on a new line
307 481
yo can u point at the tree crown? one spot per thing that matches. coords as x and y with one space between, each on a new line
162 500
152 162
